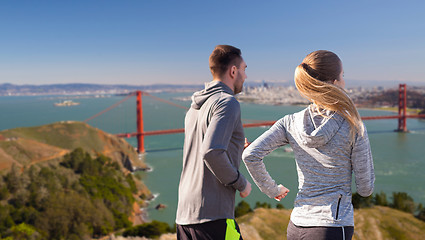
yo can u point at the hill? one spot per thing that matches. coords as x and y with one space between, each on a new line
78 197
68 180
376 223
26 146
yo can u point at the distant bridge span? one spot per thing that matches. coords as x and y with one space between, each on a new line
140 134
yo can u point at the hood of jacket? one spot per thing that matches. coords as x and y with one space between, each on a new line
316 129
211 88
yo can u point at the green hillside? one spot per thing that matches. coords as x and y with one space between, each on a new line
67 179
25 146
77 197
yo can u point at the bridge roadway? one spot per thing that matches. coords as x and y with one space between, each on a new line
249 125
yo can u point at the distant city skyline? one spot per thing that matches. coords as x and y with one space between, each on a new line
169 42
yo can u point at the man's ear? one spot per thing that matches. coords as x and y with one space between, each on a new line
233 70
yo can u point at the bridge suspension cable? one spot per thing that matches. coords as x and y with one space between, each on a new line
165 101
110 108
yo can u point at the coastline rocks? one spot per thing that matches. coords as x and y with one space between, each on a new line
160 206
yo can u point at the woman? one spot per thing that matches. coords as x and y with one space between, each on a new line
329 142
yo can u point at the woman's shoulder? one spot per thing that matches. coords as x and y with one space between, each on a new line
291 117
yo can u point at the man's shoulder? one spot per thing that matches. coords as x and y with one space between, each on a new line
227 100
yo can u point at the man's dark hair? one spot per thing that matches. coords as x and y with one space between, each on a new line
223 57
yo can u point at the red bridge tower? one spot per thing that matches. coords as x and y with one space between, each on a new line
140 135
402 104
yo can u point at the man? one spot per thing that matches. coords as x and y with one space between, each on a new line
213 146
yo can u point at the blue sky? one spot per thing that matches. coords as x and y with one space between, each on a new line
155 41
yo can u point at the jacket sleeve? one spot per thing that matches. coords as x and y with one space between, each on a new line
225 116
253 156
362 163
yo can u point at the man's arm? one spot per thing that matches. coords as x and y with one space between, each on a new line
225 116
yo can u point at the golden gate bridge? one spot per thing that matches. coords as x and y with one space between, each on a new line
140 134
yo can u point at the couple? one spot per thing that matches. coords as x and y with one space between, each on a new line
328 138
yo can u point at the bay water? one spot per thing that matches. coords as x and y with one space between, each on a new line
399 158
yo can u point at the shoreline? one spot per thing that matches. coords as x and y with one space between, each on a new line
391 109
385 109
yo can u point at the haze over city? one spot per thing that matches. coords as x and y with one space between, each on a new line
158 42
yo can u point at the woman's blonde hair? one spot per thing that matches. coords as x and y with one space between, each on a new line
314 79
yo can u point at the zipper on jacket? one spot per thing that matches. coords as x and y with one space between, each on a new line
337 206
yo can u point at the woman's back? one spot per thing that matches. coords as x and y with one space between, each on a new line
322 151
323 154
329 142
325 159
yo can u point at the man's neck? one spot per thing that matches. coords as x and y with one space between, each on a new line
227 82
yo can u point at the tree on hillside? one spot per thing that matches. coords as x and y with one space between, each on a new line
72 214
361 202
280 206
151 230
381 199
6 221
402 201
262 205
421 212
242 208
75 159
12 179
23 231
102 179
4 191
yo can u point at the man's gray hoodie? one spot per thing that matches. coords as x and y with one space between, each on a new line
213 146
325 160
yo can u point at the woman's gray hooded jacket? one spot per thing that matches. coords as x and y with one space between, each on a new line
325 160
